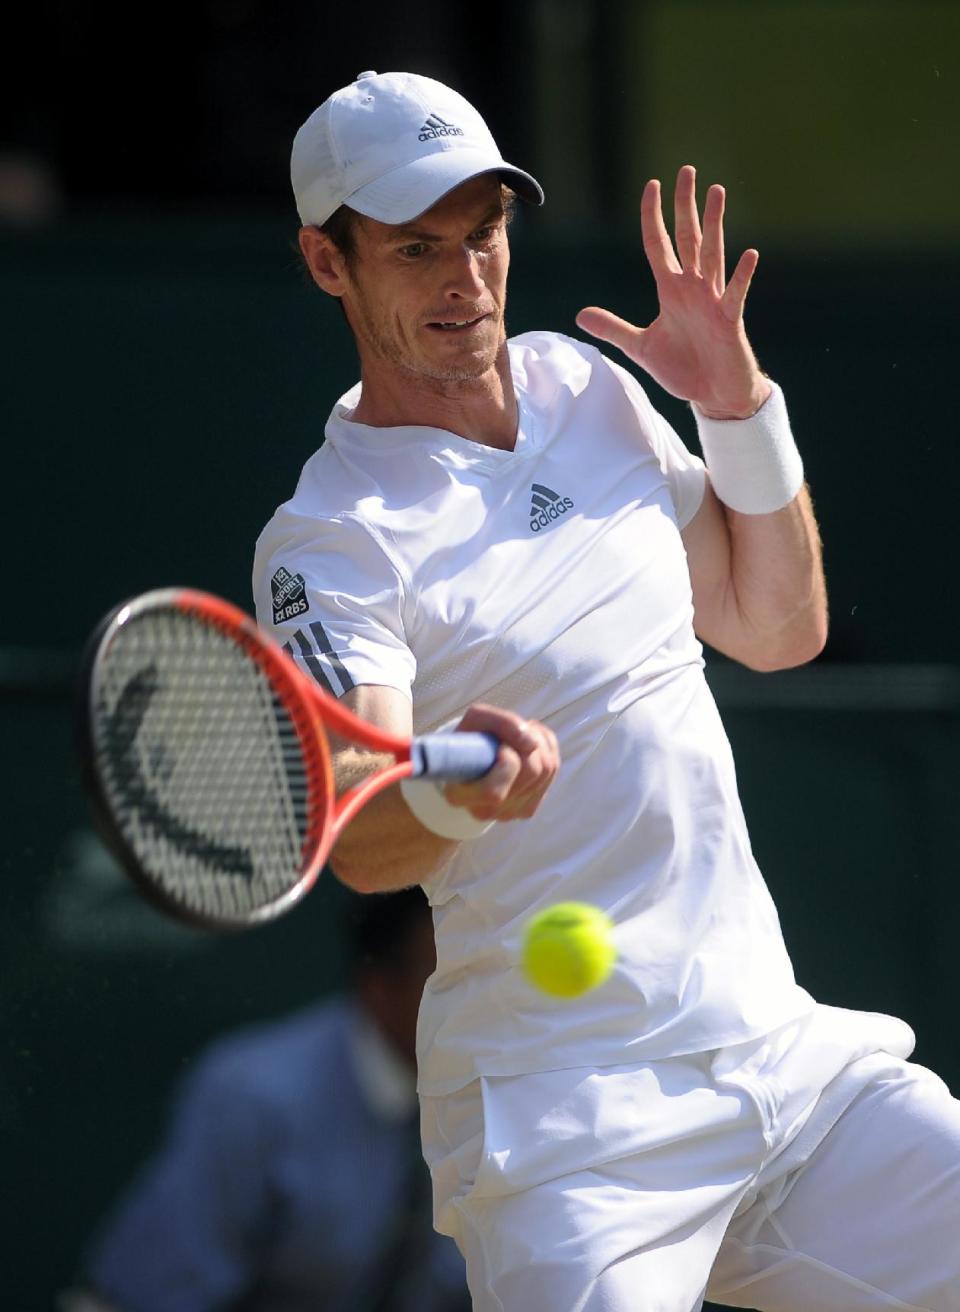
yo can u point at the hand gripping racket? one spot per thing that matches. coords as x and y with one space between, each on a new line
206 759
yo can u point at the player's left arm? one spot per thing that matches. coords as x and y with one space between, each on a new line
759 594
758 586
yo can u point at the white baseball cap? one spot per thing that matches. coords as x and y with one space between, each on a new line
390 145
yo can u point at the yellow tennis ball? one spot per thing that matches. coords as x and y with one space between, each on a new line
568 949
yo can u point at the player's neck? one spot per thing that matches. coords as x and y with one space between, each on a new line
482 410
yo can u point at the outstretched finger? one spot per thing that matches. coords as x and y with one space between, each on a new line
610 328
686 219
656 241
712 259
733 298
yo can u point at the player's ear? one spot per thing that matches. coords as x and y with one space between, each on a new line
326 262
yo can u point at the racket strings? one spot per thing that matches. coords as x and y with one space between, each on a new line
204 765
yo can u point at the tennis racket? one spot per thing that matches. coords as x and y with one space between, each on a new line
206 759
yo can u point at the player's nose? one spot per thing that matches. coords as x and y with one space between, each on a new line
463 275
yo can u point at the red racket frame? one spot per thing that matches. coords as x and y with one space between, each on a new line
311 711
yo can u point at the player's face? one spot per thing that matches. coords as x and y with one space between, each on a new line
428 297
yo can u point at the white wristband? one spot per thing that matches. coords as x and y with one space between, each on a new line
426 800
754 464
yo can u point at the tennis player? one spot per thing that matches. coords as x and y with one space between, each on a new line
505 535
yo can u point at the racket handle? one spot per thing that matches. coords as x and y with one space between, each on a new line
453 755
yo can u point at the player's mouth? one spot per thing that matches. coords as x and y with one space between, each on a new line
454 327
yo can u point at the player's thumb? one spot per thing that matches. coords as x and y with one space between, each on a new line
610 328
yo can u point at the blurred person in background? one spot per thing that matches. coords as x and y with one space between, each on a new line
291 1177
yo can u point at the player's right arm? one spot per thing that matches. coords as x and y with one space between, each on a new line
386 847
329 593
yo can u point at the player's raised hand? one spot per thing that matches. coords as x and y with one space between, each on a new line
526 766
697 347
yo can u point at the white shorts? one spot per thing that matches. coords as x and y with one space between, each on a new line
811 1170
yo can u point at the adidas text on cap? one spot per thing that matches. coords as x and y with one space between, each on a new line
390 145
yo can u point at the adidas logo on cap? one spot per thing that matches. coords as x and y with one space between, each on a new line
435 126
546 505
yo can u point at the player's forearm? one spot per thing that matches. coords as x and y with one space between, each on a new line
777 587
403 837
384 847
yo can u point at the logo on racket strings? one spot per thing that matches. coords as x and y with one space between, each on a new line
289 598
546 506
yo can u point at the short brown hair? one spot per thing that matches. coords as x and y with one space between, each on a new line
341 228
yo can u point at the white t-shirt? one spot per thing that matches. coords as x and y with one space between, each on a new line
550 580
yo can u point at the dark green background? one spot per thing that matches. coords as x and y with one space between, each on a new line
167 370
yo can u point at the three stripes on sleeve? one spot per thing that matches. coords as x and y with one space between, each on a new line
310 648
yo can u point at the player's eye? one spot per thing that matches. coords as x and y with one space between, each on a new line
414 250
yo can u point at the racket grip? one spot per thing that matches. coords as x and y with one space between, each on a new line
453 755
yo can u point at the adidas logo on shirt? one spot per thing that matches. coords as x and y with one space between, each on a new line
546 505
435 127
